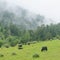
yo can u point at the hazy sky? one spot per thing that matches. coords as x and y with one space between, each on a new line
48 8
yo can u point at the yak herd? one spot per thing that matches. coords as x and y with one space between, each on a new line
20 46
44 48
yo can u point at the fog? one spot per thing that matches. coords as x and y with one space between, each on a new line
50 9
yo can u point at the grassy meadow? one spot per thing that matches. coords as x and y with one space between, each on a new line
28 51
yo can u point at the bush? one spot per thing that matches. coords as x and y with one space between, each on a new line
6 45
28 43
13 43
35 56
1 55
12 40
14 53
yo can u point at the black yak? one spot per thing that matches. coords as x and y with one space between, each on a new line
44 48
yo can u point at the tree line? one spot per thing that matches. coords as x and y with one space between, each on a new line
13 34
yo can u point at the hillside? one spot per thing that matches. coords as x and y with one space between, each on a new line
28 51
19 16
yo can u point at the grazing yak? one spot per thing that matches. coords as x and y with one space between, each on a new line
20 46
44 48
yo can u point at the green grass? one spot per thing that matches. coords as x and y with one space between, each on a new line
28 51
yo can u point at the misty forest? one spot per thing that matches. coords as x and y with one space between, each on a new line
19 26
22 27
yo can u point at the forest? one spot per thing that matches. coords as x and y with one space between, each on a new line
18 25
12 34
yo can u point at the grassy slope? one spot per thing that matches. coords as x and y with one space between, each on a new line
28 51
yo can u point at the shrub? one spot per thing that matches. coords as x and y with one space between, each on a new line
1 55
12 44
35 56
28 43
14 53
12 40
6 45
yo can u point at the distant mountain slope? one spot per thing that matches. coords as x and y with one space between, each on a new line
19 16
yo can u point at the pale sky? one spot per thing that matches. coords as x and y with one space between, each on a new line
47 8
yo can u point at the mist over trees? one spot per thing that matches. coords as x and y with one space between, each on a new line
22 27
13 34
